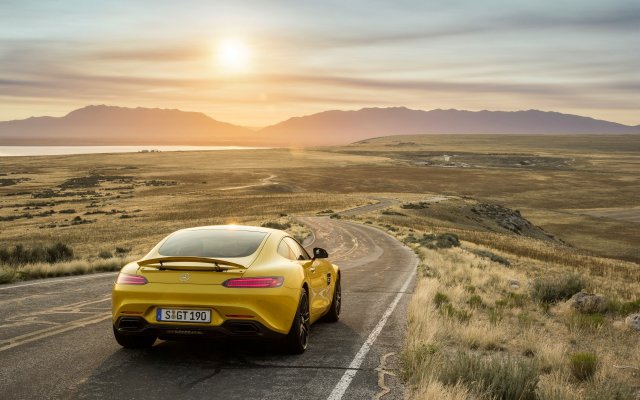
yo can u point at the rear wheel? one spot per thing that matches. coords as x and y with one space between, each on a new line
334 311
297 340
133 342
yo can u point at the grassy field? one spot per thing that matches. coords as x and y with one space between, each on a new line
583 189
523 215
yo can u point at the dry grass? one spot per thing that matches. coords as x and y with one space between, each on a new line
602 174
434 389
161 193
67 268
506 326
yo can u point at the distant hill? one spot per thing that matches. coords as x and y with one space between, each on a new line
108 125
340 127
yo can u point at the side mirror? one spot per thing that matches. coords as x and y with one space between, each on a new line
319 253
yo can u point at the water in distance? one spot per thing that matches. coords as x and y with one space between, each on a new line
7 151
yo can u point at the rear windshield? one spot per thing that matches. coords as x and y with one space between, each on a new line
212 243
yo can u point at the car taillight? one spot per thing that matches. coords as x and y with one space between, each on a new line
262 282
124 279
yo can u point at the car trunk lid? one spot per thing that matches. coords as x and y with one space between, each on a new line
189 270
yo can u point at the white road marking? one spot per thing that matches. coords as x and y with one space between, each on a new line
44 333
58 280
342 386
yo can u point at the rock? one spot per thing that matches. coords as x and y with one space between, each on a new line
588 303
514 284
633 321
506 218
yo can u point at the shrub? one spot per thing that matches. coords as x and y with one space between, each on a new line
440 299
277 225
475 301
59 252
335 216
492 377
623 308
122 251
415 206
391 212
20 255
433 241
583 365
551 290
491 256
104 254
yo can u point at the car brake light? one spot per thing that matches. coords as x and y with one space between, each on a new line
263 282
124 279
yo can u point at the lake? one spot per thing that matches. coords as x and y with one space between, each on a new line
12 151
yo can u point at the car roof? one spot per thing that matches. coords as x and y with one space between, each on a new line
234 228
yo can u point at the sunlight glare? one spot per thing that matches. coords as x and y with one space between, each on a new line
233 55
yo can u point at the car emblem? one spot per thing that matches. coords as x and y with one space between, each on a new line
184 277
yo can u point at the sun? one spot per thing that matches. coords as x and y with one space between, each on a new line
233 55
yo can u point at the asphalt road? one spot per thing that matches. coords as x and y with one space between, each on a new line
56 339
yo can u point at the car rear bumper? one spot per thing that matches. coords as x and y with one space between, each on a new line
271 310
137 326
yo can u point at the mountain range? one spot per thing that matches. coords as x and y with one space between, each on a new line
109 125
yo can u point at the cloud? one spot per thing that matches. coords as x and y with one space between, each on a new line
332 54
165 53
52 83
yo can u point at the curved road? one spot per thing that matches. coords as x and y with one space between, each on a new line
56 340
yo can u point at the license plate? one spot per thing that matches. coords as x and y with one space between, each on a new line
182 315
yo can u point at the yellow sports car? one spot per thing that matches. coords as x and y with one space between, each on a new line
231 281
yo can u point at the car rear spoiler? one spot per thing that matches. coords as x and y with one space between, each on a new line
161 261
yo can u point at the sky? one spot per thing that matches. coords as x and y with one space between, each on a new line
256 63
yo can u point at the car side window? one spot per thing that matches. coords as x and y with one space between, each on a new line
285 251
299 252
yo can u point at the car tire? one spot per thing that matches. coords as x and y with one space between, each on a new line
334 311
133 341
297 339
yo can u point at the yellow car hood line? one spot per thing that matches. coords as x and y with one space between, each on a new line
161 261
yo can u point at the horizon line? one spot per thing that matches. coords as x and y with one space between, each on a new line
257 128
